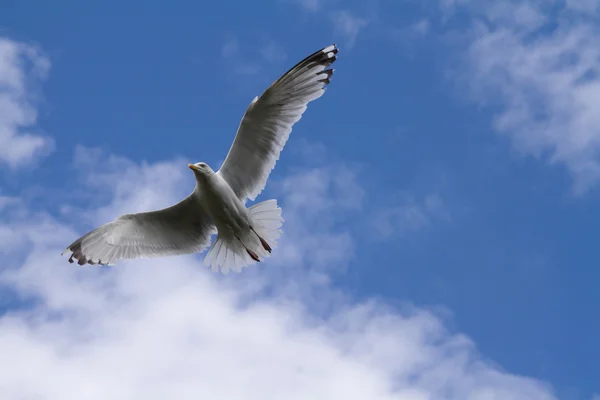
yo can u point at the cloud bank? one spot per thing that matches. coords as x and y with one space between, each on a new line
21 68
170 328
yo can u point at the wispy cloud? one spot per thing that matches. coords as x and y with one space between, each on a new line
169 328
539 66
316 201
410 215
348 25
588 6
231 47
235 58
6 201
272 52
249 60
421 27
21 68
310 5
412 35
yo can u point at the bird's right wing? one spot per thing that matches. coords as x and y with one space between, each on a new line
269 119
180 229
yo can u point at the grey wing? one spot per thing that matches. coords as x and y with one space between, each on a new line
268 121
180 229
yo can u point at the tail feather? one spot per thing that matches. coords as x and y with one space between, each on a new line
226 255
230 254
266 219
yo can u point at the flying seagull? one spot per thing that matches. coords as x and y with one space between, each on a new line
217 204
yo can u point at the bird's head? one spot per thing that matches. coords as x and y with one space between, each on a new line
201 170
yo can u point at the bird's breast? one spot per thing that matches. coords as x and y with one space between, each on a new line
225 209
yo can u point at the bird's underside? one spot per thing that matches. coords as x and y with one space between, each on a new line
187 226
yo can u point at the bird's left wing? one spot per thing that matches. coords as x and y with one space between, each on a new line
180 229
268 121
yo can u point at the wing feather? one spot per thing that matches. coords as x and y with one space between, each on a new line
268 122
180 229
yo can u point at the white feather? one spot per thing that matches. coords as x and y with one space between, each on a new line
268 121
231 255
180 229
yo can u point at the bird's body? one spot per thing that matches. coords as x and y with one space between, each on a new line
229 215
226 211
217 204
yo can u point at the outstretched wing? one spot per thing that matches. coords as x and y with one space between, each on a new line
180 229
268 121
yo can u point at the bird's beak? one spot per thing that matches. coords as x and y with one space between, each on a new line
192 167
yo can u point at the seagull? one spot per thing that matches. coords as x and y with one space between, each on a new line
245 235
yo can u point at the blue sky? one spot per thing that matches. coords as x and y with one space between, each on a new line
454 162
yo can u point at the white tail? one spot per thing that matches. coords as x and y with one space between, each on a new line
265 218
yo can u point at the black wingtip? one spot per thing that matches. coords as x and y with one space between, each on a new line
334 50
330 53
77 255
328 73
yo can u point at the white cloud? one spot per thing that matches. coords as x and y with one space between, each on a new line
410 215
230 47
239 63
348 25
310 5
420 27
540 66
21 69
272 52
6 201
412 35
251 60
168 328
588 6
